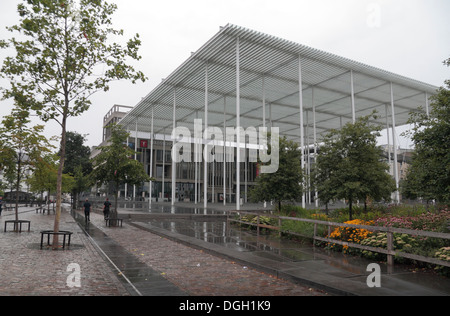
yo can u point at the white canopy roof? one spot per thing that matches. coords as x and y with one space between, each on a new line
269 72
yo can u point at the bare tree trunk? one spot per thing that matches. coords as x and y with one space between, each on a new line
59 184
18 186
114 214
350 210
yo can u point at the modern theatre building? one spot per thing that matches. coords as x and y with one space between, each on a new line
243 78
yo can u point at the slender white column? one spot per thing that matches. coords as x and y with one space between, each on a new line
224 152
205 163
152 136
126 185
394 144
213 181
387 134
264 110
353 97
302 136
308 161
238 124
245 171
196 150
316 193
427 104
270 115
264 101
174 164
135 154
164 165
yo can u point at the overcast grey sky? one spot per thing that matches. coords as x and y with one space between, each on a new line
407 37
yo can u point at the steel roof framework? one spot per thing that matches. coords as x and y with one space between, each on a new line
247 78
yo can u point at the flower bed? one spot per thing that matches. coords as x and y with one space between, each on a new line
350 234
425 246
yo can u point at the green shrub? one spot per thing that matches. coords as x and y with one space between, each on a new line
443 254
401 242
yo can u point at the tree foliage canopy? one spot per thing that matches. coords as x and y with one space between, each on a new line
349 165
21 146
115 164
66 57
428 176
63 56
286 183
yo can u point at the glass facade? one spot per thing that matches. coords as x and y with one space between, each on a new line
186 178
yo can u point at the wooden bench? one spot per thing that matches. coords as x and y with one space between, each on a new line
18 225
113 221
8 208
40 210
52 233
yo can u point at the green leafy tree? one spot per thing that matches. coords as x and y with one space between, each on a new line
81 183
65 58
44 174
349 165
323 172
286 183
21 147
44 177
78 164
77 154
113 165
428 176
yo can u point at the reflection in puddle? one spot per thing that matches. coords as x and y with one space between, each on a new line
237 238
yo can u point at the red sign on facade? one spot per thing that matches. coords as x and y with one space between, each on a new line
144 143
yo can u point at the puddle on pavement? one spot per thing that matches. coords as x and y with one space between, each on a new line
233 236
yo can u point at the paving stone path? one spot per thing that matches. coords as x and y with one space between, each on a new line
27 270
197 272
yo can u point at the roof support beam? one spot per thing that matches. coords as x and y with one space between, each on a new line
316 193
205 163
394 144
302 136
352 97
238 124
174 153
224 152
152 137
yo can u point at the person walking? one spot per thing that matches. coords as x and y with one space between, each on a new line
1 200
87 211
106 207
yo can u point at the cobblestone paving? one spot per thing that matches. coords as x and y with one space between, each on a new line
27 270
196 272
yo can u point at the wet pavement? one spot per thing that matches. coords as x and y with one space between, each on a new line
136 276
301 263
26 270
194 272
194 252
